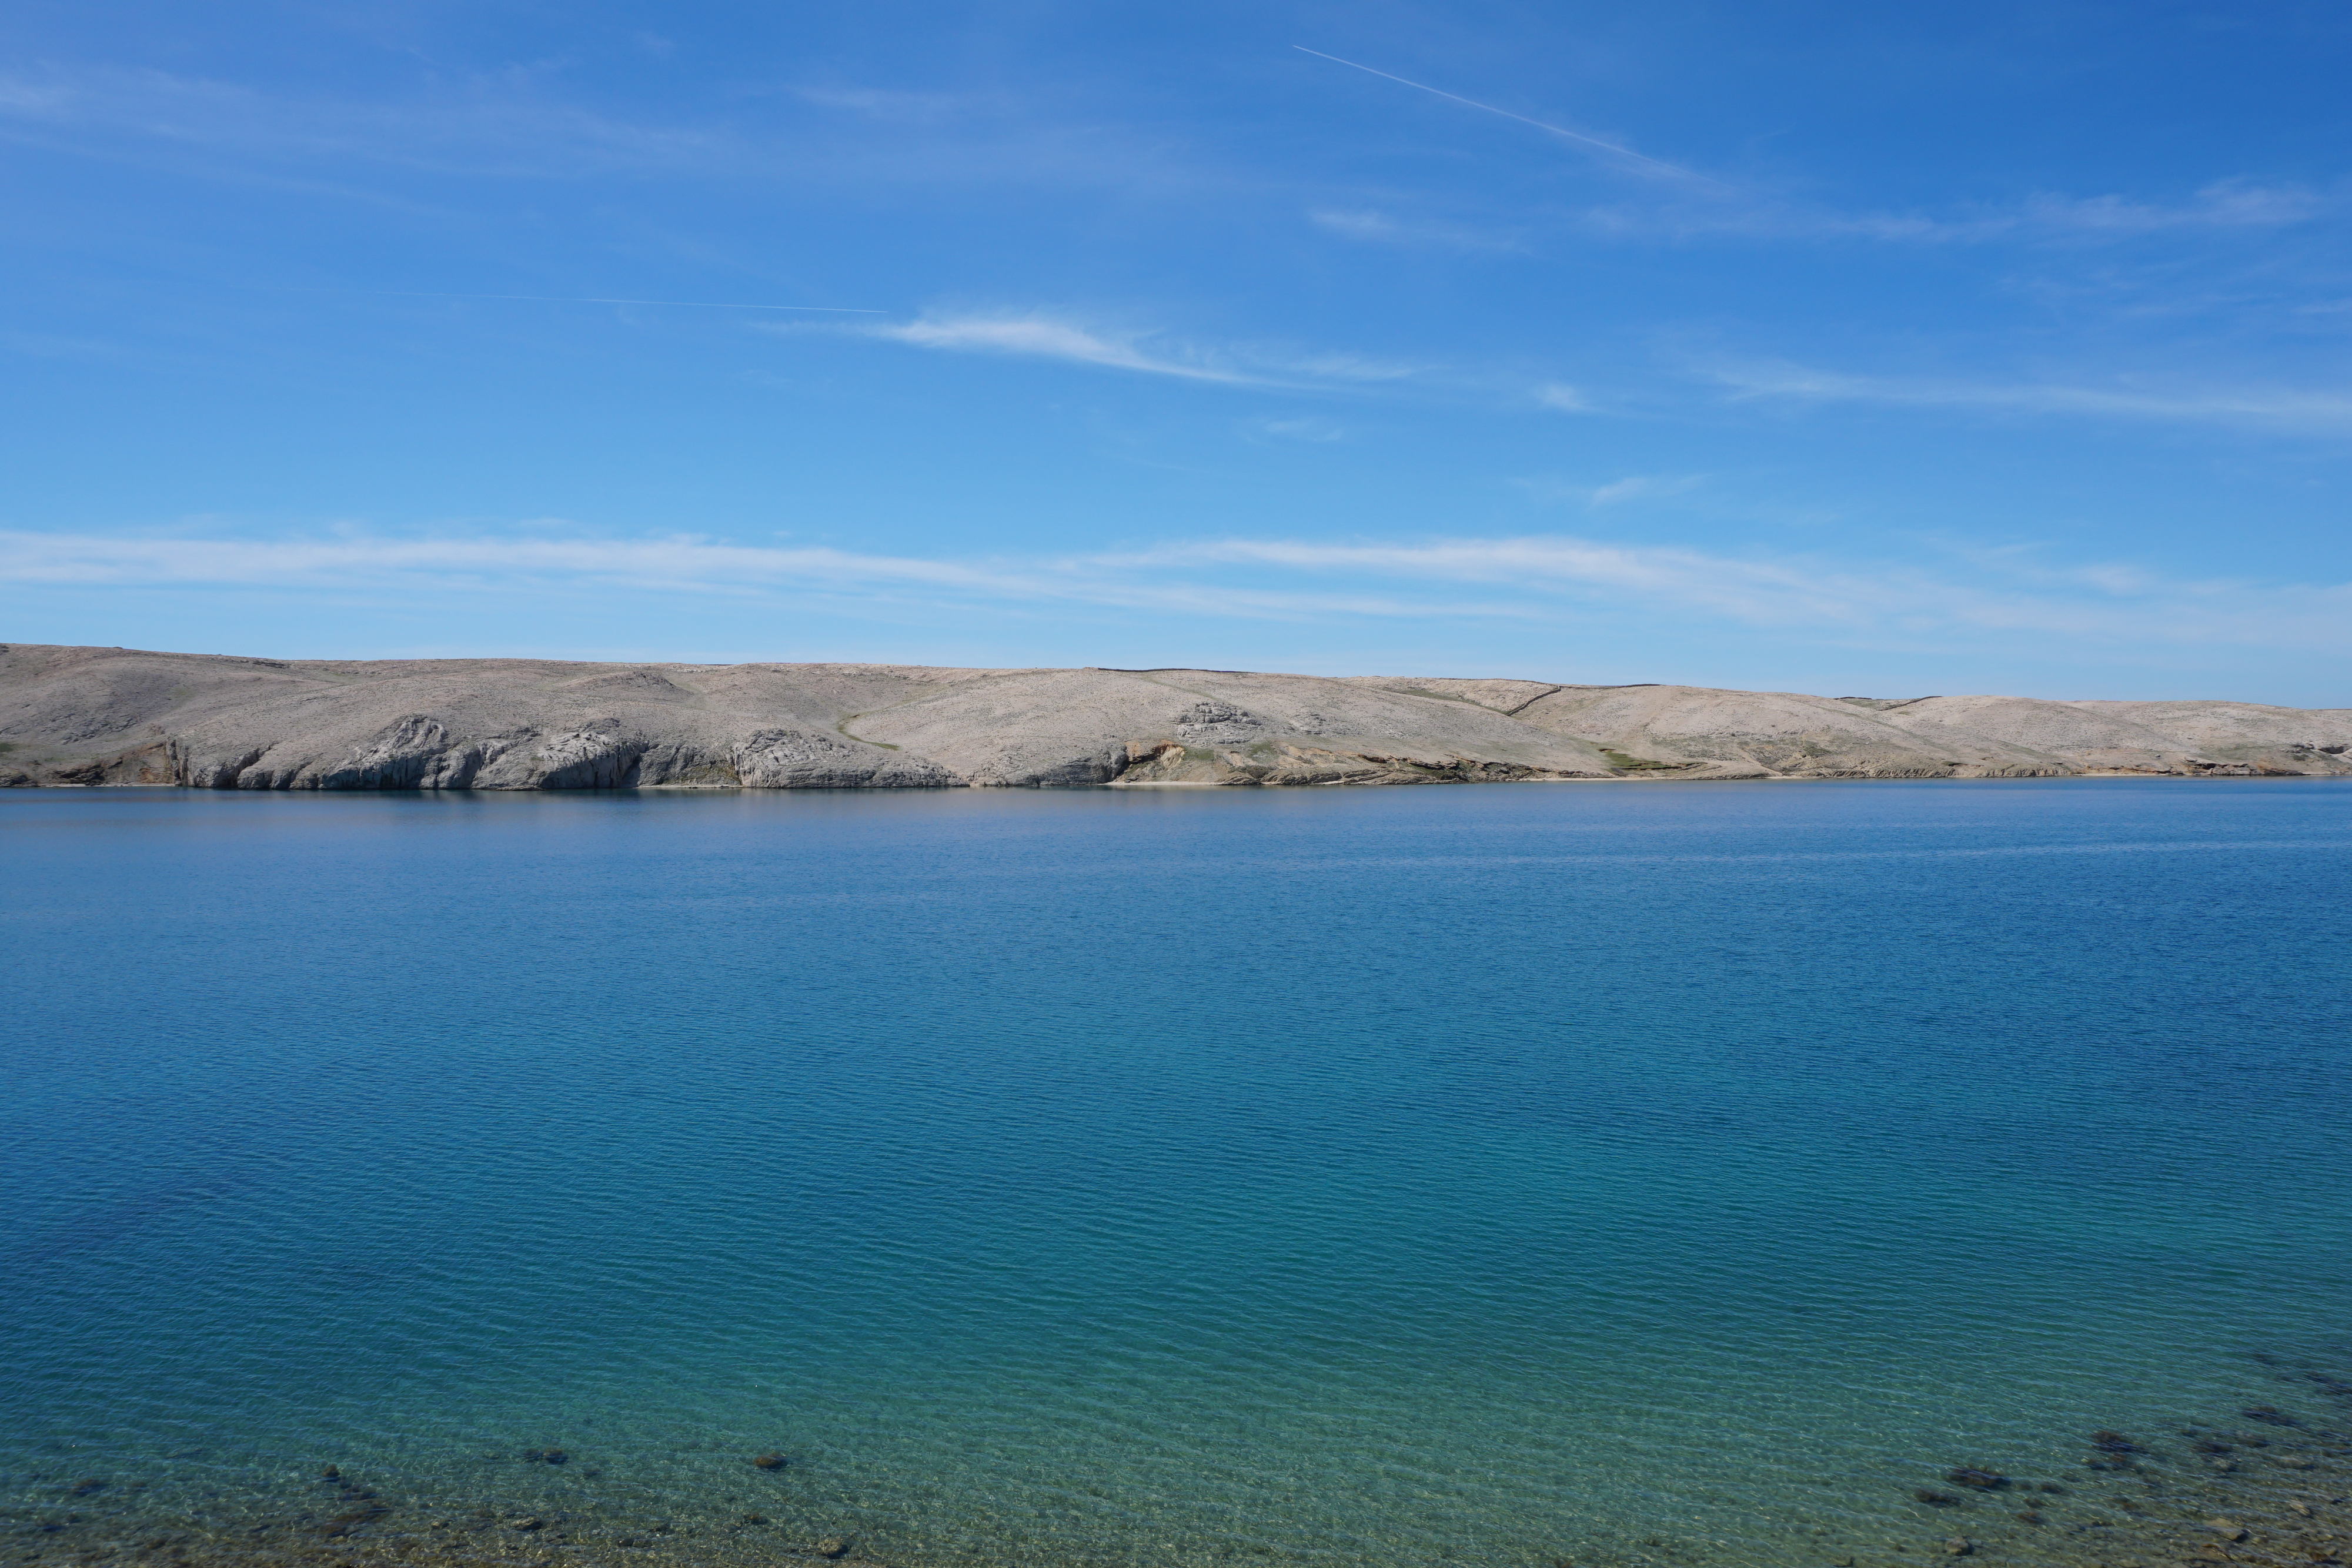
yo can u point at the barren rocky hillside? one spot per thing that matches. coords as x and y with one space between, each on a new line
116 715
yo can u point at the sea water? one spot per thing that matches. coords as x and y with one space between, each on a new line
1504 1175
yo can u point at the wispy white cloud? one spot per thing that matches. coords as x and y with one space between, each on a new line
1562 398
1687 204
889 104
1042 337
1887 604
1376 227
529 122
1987 597
2224 204
1306 428
1760 213
1344 367
502 123
1642 488
536 123
2293 410
1551 490
551 559
548 551
1035 334
26 98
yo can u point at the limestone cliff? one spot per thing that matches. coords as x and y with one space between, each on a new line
115 715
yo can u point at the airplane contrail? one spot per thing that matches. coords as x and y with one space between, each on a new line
1507 114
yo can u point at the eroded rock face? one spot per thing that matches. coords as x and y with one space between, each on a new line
95 717
807 759
1213 722
1785 735
409 751
1212 727
603 756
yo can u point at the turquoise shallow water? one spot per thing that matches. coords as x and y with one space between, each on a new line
1496 1175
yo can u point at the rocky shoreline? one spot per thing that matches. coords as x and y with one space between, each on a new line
2263 1484
80 717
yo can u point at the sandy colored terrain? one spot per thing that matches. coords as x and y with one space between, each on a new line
115 715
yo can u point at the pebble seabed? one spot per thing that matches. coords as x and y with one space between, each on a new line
2263 1484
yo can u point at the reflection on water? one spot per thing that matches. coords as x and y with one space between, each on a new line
1732 1174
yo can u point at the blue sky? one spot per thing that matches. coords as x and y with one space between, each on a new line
1842 348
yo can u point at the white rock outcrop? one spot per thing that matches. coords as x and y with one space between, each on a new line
116 715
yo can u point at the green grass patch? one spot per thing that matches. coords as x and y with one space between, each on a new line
841 728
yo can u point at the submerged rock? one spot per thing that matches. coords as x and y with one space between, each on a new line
344 1523
769 1461
1981 1479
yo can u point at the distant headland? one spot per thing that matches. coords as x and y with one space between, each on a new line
88 717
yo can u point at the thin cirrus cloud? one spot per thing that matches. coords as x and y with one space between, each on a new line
2221 207
1632 489
1038 335
520 123
1305 428
1889 605
1376 227
1642 488
534 122
1694 204
1691 204
2285 410
1044 335
1562 398
348 558
504 124
670 564
1537 580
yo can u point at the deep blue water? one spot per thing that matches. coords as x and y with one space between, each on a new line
1481 1175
